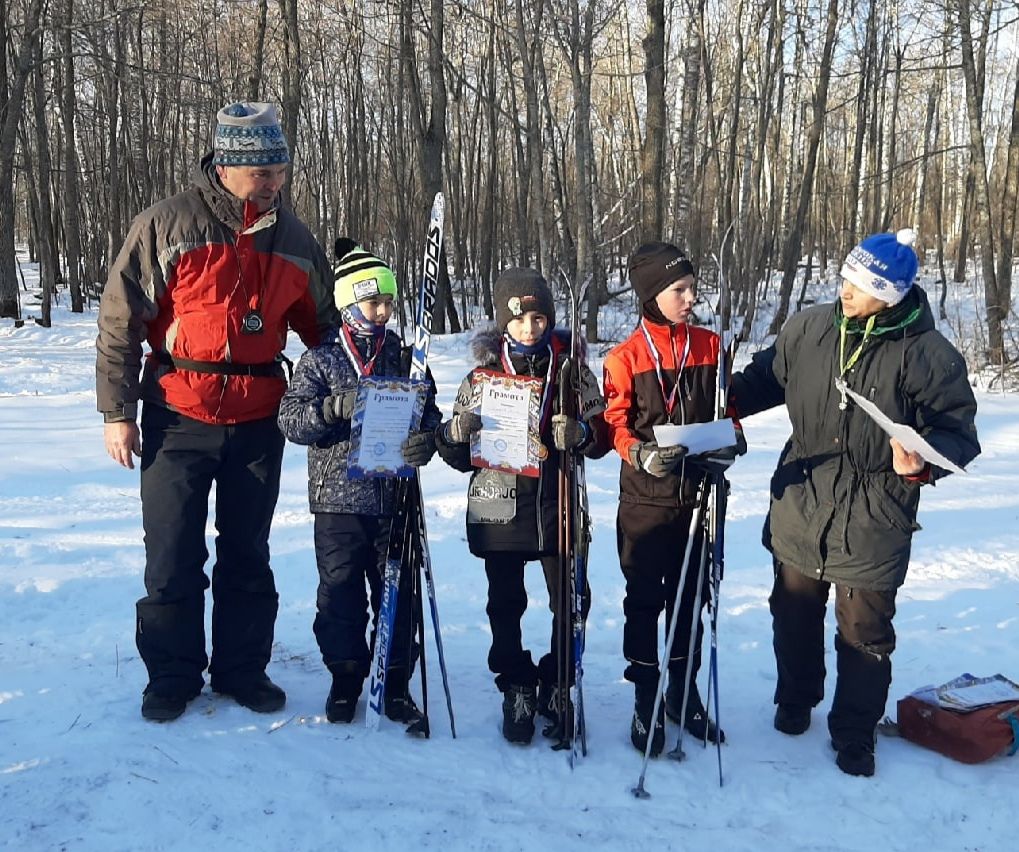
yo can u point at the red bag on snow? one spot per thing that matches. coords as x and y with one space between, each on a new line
971 737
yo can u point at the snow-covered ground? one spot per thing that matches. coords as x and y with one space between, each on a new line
80 769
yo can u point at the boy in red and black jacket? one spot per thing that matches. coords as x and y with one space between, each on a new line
664 372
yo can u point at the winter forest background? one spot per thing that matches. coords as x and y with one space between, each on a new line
562 132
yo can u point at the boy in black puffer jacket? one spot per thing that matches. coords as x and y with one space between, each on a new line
512 520
353 518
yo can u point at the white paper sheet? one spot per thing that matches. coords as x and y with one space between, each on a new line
697 437
905 435
502 440
385 422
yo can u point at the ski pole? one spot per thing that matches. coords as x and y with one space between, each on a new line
695 523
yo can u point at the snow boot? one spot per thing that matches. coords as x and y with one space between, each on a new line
641 724
343 695
698 724
550 699
164 707
399 705
258 693
519 704
855 758
792 719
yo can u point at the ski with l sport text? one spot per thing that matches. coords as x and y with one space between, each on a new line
408 524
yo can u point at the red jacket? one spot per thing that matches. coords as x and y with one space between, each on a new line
636 402
191 268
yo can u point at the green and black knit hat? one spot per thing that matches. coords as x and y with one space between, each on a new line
359 275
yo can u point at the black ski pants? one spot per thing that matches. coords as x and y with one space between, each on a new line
507 602
351 554
652 543
181 458
864 641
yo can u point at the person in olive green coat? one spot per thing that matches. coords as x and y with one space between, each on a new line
844 496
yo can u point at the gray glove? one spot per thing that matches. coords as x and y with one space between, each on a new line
655 460
567 432
339 406
418 449
459 428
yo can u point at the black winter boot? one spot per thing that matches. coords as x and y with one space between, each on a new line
399 705
643 707
550 699
792 719
855 758
258 693
698 724
343 695
164 707
519 704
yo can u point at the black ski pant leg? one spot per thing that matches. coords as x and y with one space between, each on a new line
346 555
798 605
652 544
548 669
864 643
244 595
180 457
507 603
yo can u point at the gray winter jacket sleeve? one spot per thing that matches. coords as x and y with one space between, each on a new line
127 306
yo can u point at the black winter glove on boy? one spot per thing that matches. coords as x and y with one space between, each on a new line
339 407
655 460
567 432
418 449
459 428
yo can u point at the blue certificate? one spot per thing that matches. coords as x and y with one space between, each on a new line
386 411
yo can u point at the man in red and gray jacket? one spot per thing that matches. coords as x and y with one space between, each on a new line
211 279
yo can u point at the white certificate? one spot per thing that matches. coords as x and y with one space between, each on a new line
697 437
509 409
905 435
386 411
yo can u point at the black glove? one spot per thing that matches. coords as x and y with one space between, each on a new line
567 432
418 449
459 428
719 461
339 407
658 461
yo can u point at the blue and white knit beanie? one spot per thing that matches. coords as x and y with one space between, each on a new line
884 266
249 134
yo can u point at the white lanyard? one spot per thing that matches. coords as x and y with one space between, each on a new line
670 399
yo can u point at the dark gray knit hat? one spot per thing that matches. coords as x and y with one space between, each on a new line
654 266
249 134
518 291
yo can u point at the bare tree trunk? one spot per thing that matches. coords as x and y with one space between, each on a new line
653 151
974 105
71 212
793 243
291 84
1006 239
44 222
12 95
255 79
686 177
